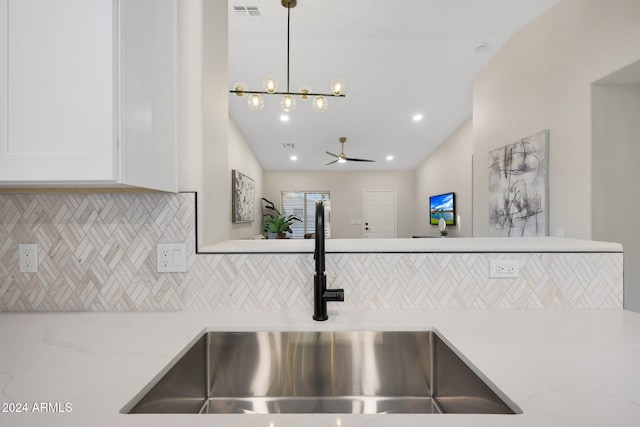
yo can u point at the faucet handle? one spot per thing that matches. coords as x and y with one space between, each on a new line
333 295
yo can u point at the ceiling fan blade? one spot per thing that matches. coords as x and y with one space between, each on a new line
358 160
334 155
330 163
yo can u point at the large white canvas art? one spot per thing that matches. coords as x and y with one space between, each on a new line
518 188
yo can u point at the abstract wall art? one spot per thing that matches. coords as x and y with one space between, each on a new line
518 188
244 197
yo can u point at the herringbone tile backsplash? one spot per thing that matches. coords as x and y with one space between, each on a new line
98 252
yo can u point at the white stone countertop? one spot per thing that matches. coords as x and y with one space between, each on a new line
562 368
448 244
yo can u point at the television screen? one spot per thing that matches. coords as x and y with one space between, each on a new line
442 206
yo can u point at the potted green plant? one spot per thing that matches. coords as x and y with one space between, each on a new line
275 222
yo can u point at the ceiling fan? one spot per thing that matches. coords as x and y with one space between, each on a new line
341 158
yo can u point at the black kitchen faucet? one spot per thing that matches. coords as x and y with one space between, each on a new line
320 292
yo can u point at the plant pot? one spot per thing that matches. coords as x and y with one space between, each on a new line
281 236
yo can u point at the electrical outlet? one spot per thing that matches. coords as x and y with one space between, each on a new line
28 258
172 257
504 268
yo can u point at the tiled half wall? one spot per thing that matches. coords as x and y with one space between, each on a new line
97 252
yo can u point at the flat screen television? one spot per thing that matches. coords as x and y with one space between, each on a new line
442 206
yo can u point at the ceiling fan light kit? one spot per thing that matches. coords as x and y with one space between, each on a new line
319 101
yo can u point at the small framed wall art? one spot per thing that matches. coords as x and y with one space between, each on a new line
243 190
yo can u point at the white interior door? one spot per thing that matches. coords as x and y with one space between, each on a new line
379 214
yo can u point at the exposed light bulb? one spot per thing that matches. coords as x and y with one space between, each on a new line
255 102
342 160
320 104
284 118
417 117
288 103
338 86
240 89
293 158
389 158
270 84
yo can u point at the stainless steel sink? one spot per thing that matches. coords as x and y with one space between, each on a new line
356 372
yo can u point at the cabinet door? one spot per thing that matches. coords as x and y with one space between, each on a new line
148 76
57 119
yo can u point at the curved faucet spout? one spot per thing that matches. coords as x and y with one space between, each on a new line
320 292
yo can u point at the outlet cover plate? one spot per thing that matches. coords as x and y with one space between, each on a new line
172 257
28 257
504 268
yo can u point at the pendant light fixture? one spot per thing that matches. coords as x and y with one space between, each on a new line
319 101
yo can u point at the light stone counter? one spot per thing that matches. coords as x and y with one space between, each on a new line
563 368
436 245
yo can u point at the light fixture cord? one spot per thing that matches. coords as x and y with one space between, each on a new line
288 24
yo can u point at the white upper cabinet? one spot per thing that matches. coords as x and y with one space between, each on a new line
87 92
59 91
148 93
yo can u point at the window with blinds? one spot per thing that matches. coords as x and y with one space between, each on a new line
303 205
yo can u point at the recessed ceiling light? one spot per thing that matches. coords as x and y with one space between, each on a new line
417 117
293 158
389 157
284 118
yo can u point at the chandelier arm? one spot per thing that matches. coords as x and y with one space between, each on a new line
258 92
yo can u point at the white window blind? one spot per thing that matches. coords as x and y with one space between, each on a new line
303 205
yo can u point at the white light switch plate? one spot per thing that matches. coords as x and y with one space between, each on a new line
172 257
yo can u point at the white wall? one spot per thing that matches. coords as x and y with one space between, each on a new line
447 169
616 151
190 126
541 79
216 194
203 111
242 159
346 195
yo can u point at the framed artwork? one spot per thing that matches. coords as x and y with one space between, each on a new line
442 206
519 188
243 190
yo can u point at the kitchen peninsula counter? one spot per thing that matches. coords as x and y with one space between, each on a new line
438 245
561 367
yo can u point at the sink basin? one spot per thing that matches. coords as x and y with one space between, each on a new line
353 372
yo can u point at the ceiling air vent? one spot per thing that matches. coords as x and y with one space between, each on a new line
247 11
288 145
241 11
253 11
